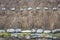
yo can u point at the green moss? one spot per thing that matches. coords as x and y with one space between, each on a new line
1 34
23 34
47 34
5 34
57 34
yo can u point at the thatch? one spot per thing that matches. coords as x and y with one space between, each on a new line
29 19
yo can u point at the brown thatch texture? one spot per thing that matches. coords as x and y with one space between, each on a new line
29 19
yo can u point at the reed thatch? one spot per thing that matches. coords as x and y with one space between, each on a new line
29 19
